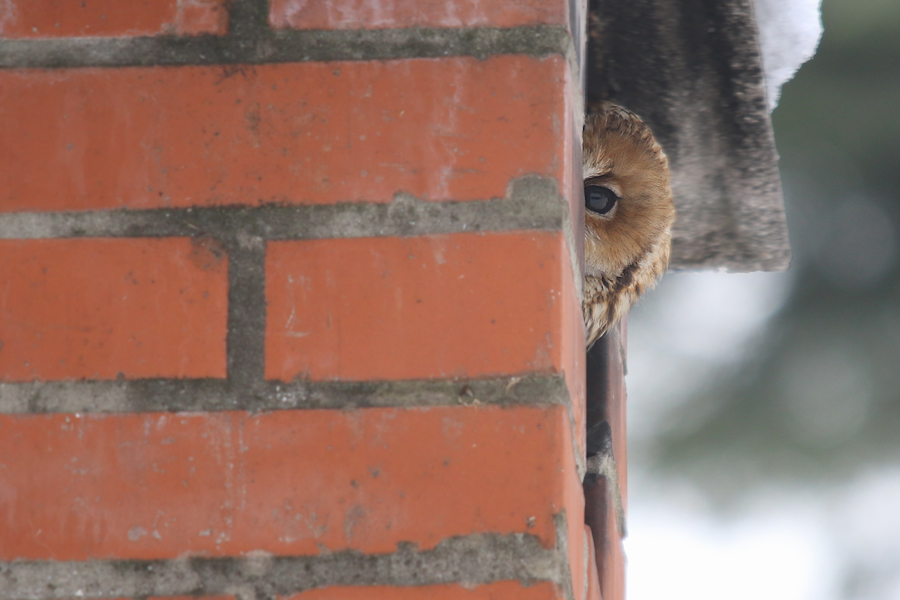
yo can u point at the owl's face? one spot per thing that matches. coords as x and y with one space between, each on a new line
628 214
628 200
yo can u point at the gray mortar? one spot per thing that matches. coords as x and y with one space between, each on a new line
266 46
248 18
532 202
246 339
466 560
209 395
564 569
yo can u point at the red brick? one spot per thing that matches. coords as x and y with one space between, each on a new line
612 574
573 355
172 598
191 598
97 308
593 581
573 500
502 590
152 486
110 18
460 305
364 14
317 133
202 16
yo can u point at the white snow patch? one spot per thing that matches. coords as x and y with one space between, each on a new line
789 33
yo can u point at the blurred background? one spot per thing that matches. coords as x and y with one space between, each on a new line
764 409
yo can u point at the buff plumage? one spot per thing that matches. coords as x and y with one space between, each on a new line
628 215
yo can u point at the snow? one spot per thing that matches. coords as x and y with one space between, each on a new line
789 33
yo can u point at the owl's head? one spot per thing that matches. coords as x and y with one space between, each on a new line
628 198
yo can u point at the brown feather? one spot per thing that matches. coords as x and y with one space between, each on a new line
627 249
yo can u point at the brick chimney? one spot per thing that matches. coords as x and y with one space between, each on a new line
289 300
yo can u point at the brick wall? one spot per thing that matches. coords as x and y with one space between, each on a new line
289 300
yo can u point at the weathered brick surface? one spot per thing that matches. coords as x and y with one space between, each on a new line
572 352
169 598
196 17
110 18
285 221
612 560
462 305
503 590
320 133
573 499
108 308
593 581
163 485
357 14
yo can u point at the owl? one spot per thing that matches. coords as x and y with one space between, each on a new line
628 215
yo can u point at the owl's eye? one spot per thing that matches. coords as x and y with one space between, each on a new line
599 199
